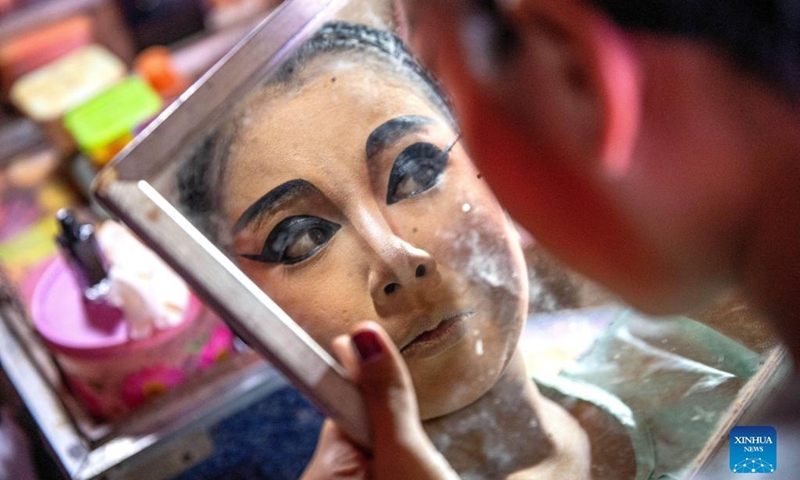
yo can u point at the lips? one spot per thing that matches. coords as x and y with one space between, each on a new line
449 331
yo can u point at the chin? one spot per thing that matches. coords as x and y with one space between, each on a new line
454 393
464 377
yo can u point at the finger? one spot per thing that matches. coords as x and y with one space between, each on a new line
385 383
401 448
335 458
346 355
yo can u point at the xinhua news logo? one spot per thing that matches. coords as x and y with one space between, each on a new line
753 450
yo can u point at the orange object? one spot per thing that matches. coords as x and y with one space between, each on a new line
34 49
155 66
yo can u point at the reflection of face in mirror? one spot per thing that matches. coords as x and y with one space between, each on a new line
345 178
342 189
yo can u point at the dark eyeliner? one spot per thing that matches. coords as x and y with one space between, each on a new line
413 160
286 232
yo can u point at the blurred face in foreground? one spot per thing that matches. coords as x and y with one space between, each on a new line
629 155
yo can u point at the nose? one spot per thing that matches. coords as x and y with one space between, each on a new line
401 270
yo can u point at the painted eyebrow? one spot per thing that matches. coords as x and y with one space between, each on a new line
272 200
392 130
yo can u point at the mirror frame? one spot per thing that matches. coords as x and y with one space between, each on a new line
125 187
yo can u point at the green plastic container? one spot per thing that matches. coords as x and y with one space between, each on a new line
105 124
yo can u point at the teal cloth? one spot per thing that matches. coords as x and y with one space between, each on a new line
674 378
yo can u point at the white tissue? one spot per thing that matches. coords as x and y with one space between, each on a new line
151 296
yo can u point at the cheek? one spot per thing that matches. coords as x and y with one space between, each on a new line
330 311
476 240
479 248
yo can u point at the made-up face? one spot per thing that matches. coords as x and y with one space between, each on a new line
352 199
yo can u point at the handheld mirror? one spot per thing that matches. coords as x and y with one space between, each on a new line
141 188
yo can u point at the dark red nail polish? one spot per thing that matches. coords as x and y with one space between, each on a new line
367 345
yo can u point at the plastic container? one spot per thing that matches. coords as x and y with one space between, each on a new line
45 94
110 374
103 126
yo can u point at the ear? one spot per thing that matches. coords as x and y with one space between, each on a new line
586 75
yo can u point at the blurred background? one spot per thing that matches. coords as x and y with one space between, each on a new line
130 57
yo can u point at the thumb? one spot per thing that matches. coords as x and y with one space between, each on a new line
335 457
385 383
401 449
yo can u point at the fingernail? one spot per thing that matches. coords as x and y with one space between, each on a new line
367 345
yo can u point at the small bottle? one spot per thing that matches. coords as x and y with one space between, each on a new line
79 246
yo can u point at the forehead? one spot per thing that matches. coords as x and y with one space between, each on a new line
318 130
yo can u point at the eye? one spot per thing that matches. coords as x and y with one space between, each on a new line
295 239
417 169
